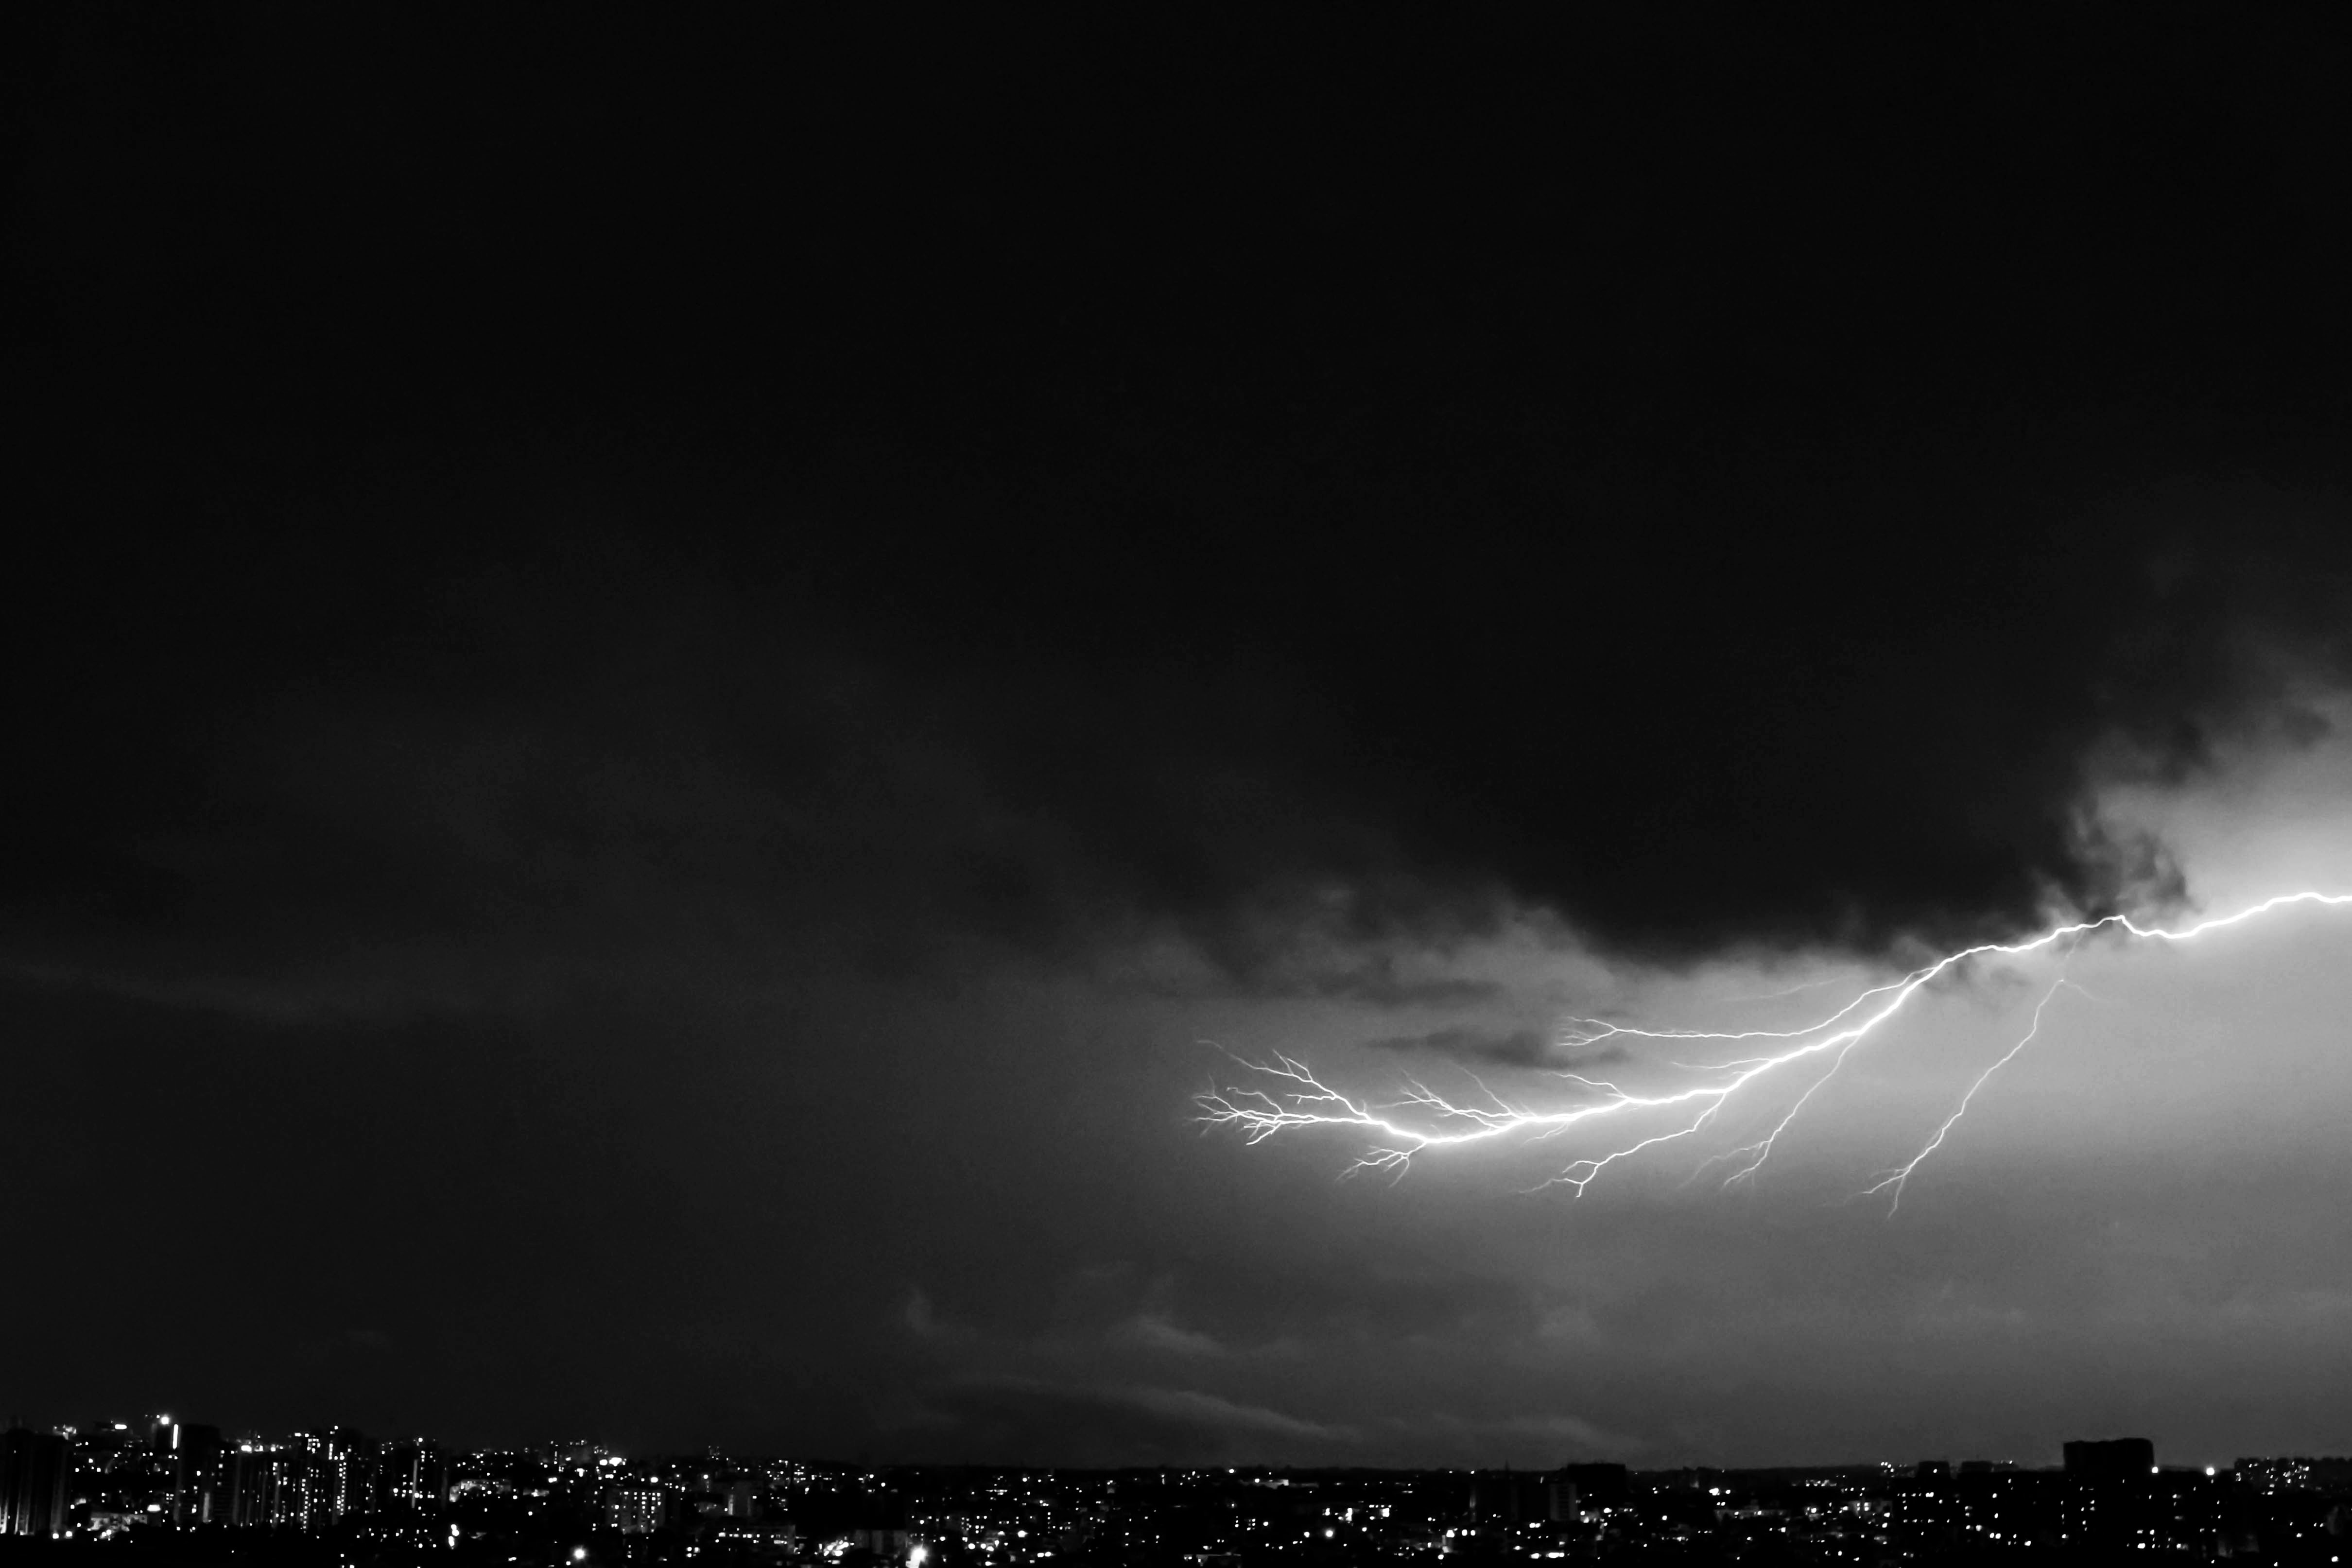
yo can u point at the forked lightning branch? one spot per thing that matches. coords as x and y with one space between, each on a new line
1285 1095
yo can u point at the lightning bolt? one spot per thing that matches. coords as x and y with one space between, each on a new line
1285 1095
1896 1178
1760 1151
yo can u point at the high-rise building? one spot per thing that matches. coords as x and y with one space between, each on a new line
414 1478
345 1465
637 1506
2117 1458
33 1466
198 1465
274 1488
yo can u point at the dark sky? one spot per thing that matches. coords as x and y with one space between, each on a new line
662 676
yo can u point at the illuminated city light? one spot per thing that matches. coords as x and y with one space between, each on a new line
1288 1096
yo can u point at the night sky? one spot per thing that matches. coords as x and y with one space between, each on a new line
671 687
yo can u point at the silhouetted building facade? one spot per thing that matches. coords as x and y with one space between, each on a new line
1599 1485
2116 1458
2010 1508
2117 1501
415 1476
198 1471
276 1488
33 1466
1519 1497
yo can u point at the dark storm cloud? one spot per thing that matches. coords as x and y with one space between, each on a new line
621 810
1505 1047
1358 946
1734 539
584 767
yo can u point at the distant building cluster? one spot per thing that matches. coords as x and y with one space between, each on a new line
334 1497
106 1481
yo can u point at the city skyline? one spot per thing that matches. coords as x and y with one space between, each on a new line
335 1495
168 1433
